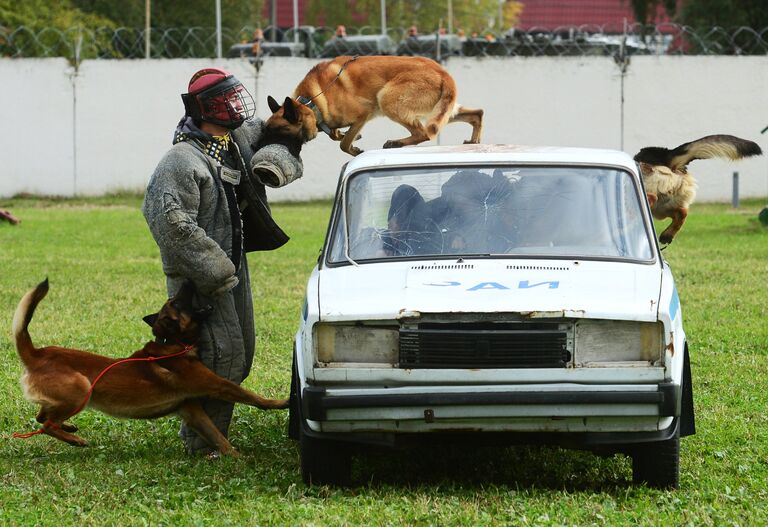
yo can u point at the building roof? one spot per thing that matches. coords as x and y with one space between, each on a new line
552 14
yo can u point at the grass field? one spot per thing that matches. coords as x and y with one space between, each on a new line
105 274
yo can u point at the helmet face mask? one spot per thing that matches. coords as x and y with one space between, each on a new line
226 103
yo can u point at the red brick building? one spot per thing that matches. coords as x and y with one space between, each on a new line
540 14
551 14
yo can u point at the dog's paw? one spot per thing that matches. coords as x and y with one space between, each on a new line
666 239
67 427
393 144
76 441
229 451
471 142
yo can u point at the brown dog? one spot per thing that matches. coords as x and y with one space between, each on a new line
415 92
669 186
60 379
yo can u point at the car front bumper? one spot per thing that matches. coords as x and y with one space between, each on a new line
523 408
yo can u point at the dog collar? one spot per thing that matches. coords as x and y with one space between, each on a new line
322 125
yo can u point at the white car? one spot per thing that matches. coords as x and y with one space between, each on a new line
484 292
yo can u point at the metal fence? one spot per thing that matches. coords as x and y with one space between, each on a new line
77 44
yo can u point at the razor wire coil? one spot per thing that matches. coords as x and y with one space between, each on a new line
78 43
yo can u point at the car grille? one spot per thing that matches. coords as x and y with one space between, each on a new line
516 345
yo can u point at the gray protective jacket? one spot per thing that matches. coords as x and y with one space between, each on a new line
196 227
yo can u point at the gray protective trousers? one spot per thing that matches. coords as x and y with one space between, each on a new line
187 211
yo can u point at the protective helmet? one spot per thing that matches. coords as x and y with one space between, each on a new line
216 96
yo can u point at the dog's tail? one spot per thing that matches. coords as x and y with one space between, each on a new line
22 318
445 109
711 146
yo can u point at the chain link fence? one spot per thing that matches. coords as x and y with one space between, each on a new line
77 44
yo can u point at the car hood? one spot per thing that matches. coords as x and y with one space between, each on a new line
532 288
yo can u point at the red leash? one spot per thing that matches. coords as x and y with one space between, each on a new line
49 424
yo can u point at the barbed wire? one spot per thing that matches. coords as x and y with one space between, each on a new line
77 44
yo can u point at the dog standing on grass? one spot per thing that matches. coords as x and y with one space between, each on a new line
669 186
60 379
416 92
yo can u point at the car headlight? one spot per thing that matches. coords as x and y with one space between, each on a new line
361 344
606 342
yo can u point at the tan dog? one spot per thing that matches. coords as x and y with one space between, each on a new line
669 186
415 92
59 379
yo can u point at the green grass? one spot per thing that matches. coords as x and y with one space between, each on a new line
105 275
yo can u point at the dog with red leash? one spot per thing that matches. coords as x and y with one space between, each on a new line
157 380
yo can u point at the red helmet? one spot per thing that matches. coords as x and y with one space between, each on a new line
216 96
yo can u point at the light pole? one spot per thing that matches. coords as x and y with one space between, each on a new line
147 26
218 28
383 17
295 21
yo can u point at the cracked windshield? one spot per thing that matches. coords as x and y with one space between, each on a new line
512 211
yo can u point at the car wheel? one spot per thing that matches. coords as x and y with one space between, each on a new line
657 464
324 462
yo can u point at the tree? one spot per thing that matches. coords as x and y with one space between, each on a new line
45 14
732 16
645 10
705 14
40 28
235 14
426 15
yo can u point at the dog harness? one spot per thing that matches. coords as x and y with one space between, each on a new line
321 124
307 101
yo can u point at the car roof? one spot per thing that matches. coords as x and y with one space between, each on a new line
482 154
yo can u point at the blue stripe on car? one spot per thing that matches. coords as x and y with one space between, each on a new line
674 304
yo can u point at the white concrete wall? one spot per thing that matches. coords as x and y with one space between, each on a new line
672 100
36 127
104 127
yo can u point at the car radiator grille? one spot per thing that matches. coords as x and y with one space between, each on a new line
535 345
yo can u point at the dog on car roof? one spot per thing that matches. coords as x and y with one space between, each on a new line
415 92
670 187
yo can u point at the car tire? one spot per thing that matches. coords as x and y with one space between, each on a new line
324 462
657 464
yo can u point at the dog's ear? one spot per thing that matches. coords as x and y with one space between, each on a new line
185 292
289 111
202 313
273 104
151 319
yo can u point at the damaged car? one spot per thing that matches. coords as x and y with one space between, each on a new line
489 293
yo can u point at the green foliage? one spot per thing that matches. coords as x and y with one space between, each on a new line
704 14
40 14
645 10
235 14
22 25
105 274
426 15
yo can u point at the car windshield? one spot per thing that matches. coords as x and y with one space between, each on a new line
521 211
